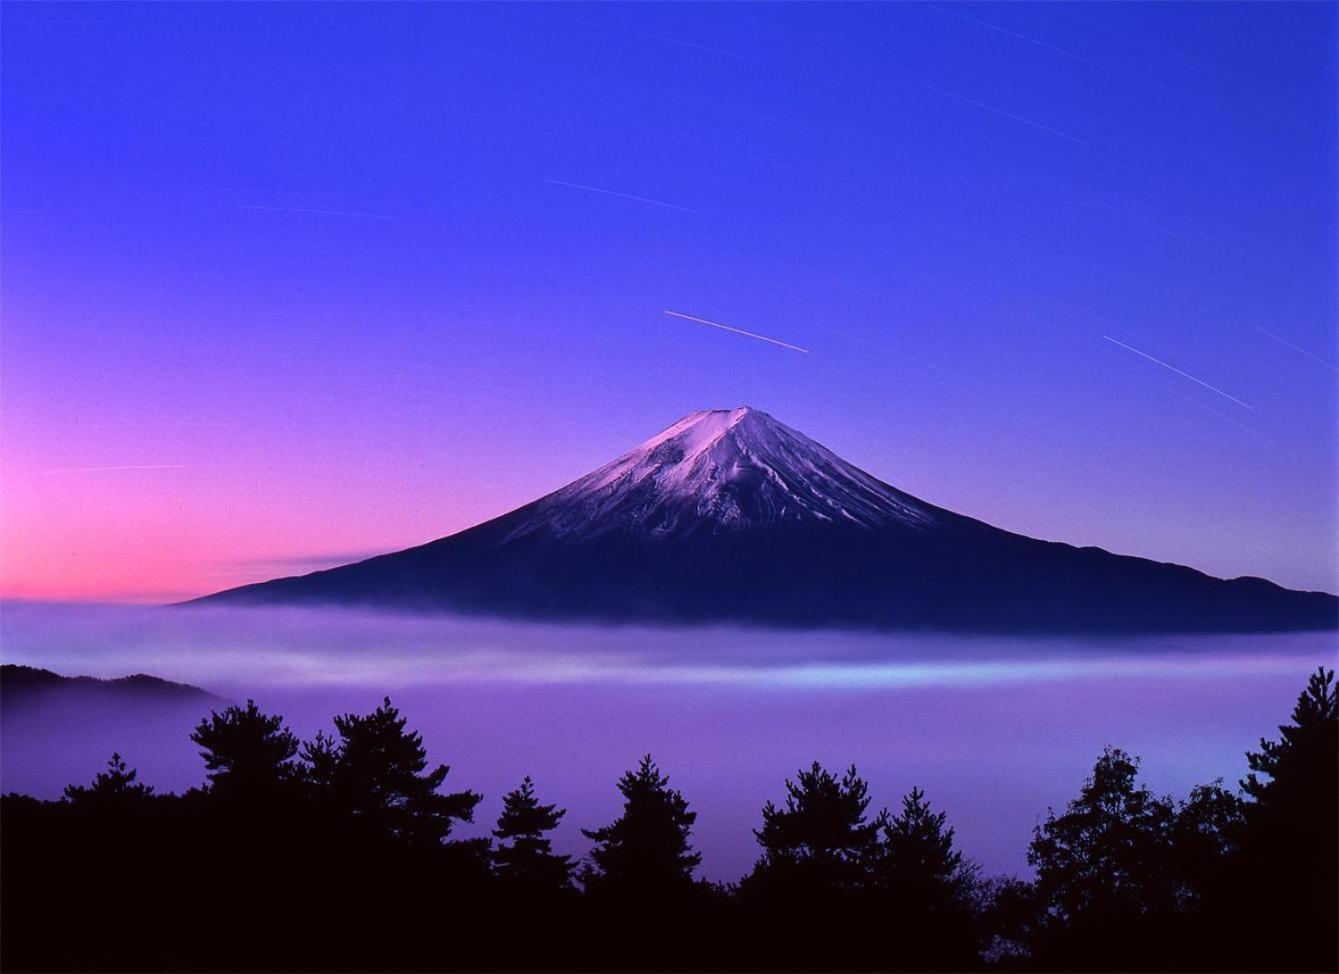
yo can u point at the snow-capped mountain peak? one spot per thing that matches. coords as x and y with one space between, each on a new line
729 517
721 470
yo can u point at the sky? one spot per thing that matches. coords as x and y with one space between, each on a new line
284 286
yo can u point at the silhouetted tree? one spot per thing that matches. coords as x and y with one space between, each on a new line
821 843
1103 867
929 890
1290 843
248 754
524 858
1301 766
819 851
1205 835
1125 879
1006 911
318 763
645 853
378 773
115 786
918 851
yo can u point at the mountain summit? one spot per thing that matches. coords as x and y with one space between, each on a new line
716 471
729 516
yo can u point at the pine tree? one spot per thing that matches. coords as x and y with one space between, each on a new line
378 774
821 842
645 853
1301 765
115 786
524 858
248 754
319 760
929 890
918 853
1290 842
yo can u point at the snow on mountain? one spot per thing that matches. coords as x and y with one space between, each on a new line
730 517
718 471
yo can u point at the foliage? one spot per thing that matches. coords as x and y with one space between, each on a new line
1299 766
115 786
645 853
524 857
341 854
1108 851
918 851
248 754
821 840
1289 872
378 772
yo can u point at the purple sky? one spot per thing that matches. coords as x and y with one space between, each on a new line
285 285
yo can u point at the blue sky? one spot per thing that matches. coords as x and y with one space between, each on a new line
321 279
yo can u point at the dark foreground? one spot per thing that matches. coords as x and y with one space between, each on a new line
337 855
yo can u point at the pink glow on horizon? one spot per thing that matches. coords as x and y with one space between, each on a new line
155 513
148 533
264 321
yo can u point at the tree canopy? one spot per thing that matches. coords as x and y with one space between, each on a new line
645 853
248 754
524 857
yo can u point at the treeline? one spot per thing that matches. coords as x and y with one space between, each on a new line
340 854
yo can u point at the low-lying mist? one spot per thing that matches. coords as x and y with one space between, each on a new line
994 729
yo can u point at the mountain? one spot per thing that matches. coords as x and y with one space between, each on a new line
23 685
729 516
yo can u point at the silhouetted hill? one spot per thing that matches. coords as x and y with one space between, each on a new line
21 685
729 516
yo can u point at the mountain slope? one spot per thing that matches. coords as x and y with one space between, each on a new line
731 516
24 685
715 471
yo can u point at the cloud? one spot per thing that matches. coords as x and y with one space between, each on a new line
738 331
611 192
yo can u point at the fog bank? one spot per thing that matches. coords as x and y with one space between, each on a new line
994 730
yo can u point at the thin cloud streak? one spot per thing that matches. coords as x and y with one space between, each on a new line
1296 348
140 466
1001 111
155 424
610 192
1241 426
745 113
303 209
1125 213
1173 368
1012 33
667 40
737 331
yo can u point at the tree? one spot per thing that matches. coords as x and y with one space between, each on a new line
378 774
1301 766
524 858
929 890
1205 835
821 843
114 787
918 851
319 761
645 853
248 754
1104 876
1290 842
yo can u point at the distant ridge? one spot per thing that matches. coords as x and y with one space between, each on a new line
25 684
729 516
